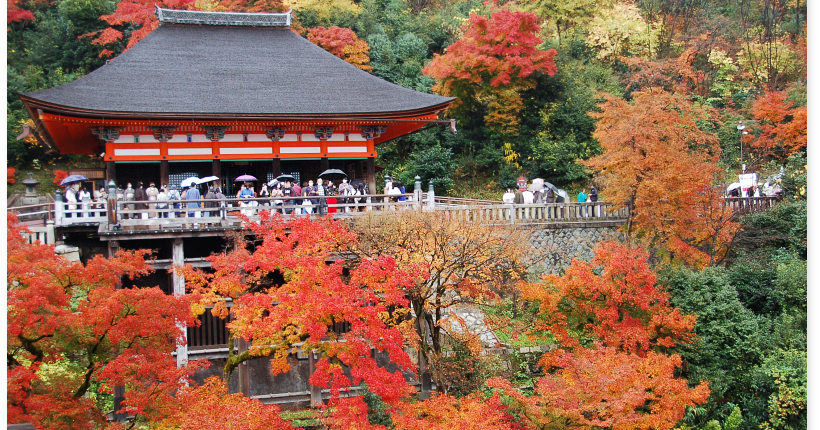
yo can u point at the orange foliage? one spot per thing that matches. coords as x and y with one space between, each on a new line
493 61
59 175
59 310
784 127
612 325
10 172
343 43
620 307
210 406
674 75
445 412
605 388
658 160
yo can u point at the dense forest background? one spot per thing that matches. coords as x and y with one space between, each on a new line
726 55
722 63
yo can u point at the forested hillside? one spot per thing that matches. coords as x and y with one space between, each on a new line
651 101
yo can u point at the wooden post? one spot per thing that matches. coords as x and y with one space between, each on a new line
371 175
243 374
216 170
323 164
110 171
276 165
315 392
178 260
164 173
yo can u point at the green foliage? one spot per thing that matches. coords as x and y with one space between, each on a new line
432 164
730 339
376 409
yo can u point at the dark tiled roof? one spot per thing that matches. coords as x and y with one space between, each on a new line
219 70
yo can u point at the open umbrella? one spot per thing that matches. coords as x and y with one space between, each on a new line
245 177
285 177
332 174
732 186
207 179
536 186
73 178
559 193
273 183
189 182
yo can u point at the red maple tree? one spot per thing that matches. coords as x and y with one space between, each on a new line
493 63
15 13
69 327
343 43
10 172
293 287
614 329
59 175
783 126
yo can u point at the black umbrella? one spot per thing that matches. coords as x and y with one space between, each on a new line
333 174
285 177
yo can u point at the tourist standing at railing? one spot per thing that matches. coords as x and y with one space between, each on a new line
162 202
174 200
212 203
277 193
71 197
321 190
100 197
140 197
192 193
593 194
151 193
550 196
508 197
307 204
128 194
287 191
246 193
85 197
264 194
582 198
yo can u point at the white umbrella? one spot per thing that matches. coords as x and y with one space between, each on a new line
732 186
207 179
193 180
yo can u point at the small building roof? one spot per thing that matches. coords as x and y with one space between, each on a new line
227 65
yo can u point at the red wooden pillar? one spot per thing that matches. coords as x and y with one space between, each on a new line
164 172
216 170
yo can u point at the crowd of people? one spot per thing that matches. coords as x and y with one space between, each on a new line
154 202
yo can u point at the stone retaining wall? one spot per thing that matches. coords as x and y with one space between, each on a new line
557 244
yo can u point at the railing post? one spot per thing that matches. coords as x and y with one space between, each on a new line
431 197
417 191
50 235
58 207
512 214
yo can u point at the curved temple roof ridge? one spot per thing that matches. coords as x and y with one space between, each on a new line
224 18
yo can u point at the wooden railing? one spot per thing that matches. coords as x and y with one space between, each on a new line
178 213
744 205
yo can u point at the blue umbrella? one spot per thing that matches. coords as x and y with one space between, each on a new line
73 178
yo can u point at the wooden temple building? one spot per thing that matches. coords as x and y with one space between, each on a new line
219 94
226 94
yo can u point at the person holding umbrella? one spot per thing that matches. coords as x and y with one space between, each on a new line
71 193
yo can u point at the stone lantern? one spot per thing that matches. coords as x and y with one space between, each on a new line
30 197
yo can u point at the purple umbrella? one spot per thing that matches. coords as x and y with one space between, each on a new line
245 178
72 179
